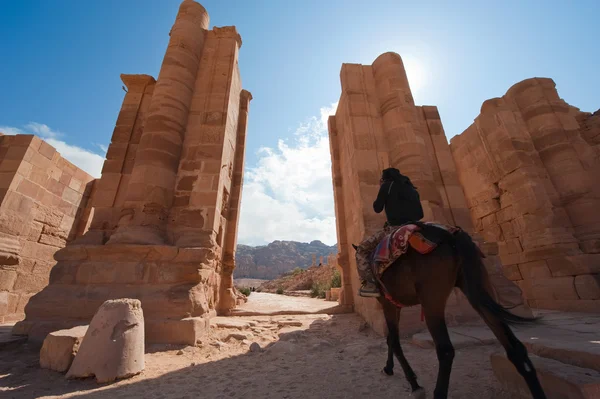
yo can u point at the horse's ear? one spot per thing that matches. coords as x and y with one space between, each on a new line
355 247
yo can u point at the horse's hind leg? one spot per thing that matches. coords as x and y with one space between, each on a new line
436 324
515 351
392 318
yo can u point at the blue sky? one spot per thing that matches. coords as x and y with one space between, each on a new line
62 60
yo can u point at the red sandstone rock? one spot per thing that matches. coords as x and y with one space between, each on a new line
60 347
166 208
37 218
526 166
113 346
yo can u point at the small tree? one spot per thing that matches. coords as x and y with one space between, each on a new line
336 279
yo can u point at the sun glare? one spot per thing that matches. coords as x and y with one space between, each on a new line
415 70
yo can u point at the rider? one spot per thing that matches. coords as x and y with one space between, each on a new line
402 205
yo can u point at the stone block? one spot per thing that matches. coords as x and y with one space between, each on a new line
588 286
30 283
574 265
559 380
512 272
186 331
534 270
554 288
113 346
47 150
59 348
7 279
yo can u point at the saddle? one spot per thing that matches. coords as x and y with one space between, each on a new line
422 237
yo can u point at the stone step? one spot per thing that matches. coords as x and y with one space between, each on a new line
581 349
559 380
570 347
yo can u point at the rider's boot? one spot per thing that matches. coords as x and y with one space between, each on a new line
369 288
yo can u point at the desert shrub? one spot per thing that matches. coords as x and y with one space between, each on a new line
297 271
280 291
245 290
318 290
336 280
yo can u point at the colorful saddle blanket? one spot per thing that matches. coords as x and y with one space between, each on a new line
396 243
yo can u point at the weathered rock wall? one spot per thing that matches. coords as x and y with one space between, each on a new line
166 207
377 125
44 205
528 166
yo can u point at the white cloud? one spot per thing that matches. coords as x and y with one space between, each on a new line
288 195
80 157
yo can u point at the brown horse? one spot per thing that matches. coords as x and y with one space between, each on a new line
428 280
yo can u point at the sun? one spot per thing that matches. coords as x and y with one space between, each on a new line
415 71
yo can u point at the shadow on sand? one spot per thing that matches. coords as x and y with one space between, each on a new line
332 358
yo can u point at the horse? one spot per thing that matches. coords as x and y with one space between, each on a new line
428 280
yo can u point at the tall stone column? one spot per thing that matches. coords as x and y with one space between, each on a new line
541 107
151 188
226 297
403 129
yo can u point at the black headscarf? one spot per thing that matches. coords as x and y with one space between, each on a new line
394 175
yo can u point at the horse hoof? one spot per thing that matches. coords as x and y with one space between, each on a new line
389 372
419 393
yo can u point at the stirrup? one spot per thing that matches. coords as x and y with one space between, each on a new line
363 292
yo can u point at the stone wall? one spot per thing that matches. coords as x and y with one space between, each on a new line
44 205
529 168
166 208
377 125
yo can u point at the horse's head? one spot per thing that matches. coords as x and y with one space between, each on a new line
355 247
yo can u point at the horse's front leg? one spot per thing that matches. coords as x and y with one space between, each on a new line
389 365
392 318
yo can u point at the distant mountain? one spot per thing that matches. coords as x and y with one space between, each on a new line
272 260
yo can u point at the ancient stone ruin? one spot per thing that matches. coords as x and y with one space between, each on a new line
166 207
529 167
160 224
44 204
520 178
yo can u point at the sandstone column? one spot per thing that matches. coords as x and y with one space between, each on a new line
403 130
151 188
342 260
541 107
226 300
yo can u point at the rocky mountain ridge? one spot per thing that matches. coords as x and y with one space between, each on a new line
279 257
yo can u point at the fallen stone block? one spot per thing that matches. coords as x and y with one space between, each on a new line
60 347
239 336
229 322
559 380
113 346
290 323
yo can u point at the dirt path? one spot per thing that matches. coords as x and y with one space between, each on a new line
303 356
270 304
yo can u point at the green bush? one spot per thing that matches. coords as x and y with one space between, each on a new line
280 291
318 290
245 290
297 271
336 280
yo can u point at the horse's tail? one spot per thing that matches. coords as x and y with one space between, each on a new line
472 271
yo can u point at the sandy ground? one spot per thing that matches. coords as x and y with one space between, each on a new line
301 356
248 282
265 303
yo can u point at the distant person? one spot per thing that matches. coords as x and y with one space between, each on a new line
402 204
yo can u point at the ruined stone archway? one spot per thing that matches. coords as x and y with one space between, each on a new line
165 215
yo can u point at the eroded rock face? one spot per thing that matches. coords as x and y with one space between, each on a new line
113 346
60 347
